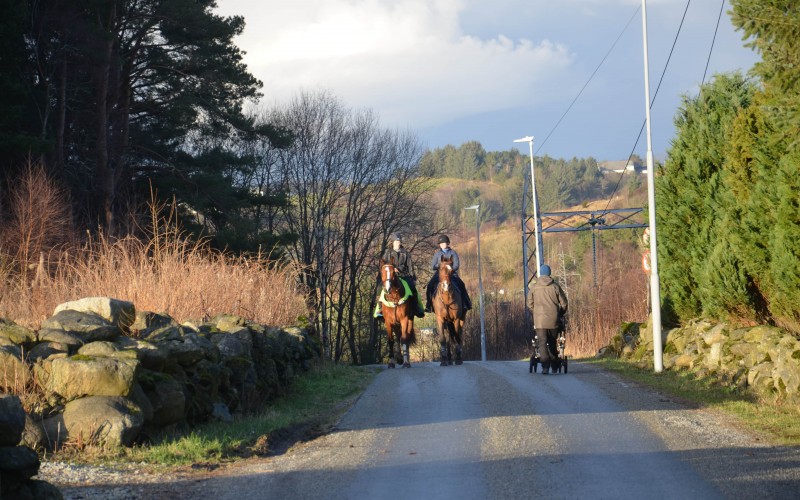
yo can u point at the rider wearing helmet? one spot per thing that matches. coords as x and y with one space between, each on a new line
447 252
405 269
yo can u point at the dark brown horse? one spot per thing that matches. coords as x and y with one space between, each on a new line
398 313
449 307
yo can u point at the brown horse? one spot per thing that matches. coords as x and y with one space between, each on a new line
449 307
398 313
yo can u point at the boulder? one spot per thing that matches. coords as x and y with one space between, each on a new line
18 461
13 371
87 326
80 376
119 313
166 397
44 350
33 436
59 336
97 420
17 334
12 420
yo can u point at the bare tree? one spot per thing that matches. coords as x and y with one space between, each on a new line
351 183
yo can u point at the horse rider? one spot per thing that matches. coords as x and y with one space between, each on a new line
405 269
445 252
549 304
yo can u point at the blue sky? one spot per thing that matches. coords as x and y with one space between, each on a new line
452 71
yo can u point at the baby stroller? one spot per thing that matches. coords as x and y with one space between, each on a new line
560 363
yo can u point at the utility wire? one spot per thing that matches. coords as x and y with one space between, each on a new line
587 81
722 5
666 65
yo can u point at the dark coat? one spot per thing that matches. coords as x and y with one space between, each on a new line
402 261
447 253
548 302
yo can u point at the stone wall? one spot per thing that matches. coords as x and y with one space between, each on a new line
764 358
107 374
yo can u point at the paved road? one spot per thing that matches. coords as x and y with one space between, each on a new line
492 430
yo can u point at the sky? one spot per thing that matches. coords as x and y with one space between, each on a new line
453 71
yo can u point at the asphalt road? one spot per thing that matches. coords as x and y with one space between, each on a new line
492 430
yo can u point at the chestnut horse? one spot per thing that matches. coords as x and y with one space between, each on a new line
398 312
449 308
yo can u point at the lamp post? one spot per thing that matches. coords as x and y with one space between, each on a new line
536 219
477 209
655 291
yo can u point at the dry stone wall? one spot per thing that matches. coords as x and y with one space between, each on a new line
107 374
764 358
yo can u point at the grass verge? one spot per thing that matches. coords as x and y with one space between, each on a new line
313 403
777 420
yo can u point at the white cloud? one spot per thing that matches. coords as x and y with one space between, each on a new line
409 60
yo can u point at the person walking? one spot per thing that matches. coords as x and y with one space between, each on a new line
549 305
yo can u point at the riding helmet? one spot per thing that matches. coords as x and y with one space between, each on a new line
444 239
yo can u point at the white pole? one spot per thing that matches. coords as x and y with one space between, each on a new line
537 231
480 285
655 293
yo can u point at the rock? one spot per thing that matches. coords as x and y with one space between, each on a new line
221 413
166 397
42 490
98 348
19 461
230 346
12 420
189 349
119 313
80 376
98 420
87 326
17 334
60 336
139 397
44 350
33 436
14 373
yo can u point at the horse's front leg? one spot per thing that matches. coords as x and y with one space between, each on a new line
390 337
442 342
459 328
406 327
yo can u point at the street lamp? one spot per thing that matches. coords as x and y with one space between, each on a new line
477 209
537 221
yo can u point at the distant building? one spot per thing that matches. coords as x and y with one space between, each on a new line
621 166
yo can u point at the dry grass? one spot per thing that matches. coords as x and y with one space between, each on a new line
167 273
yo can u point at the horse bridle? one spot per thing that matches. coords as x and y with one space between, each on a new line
386 274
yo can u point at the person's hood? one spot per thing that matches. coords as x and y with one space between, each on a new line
544 280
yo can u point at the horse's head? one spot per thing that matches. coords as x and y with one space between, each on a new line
445 270
388 274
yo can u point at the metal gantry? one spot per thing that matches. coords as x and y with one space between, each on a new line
561 222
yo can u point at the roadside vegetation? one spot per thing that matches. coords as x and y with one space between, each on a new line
779 422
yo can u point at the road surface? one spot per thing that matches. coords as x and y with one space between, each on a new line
491 430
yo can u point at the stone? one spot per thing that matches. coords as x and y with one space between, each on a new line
33 436
12 420
119 313
44 350
80 376
59 336
19 461
14 373
98 420
87 326
17 334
